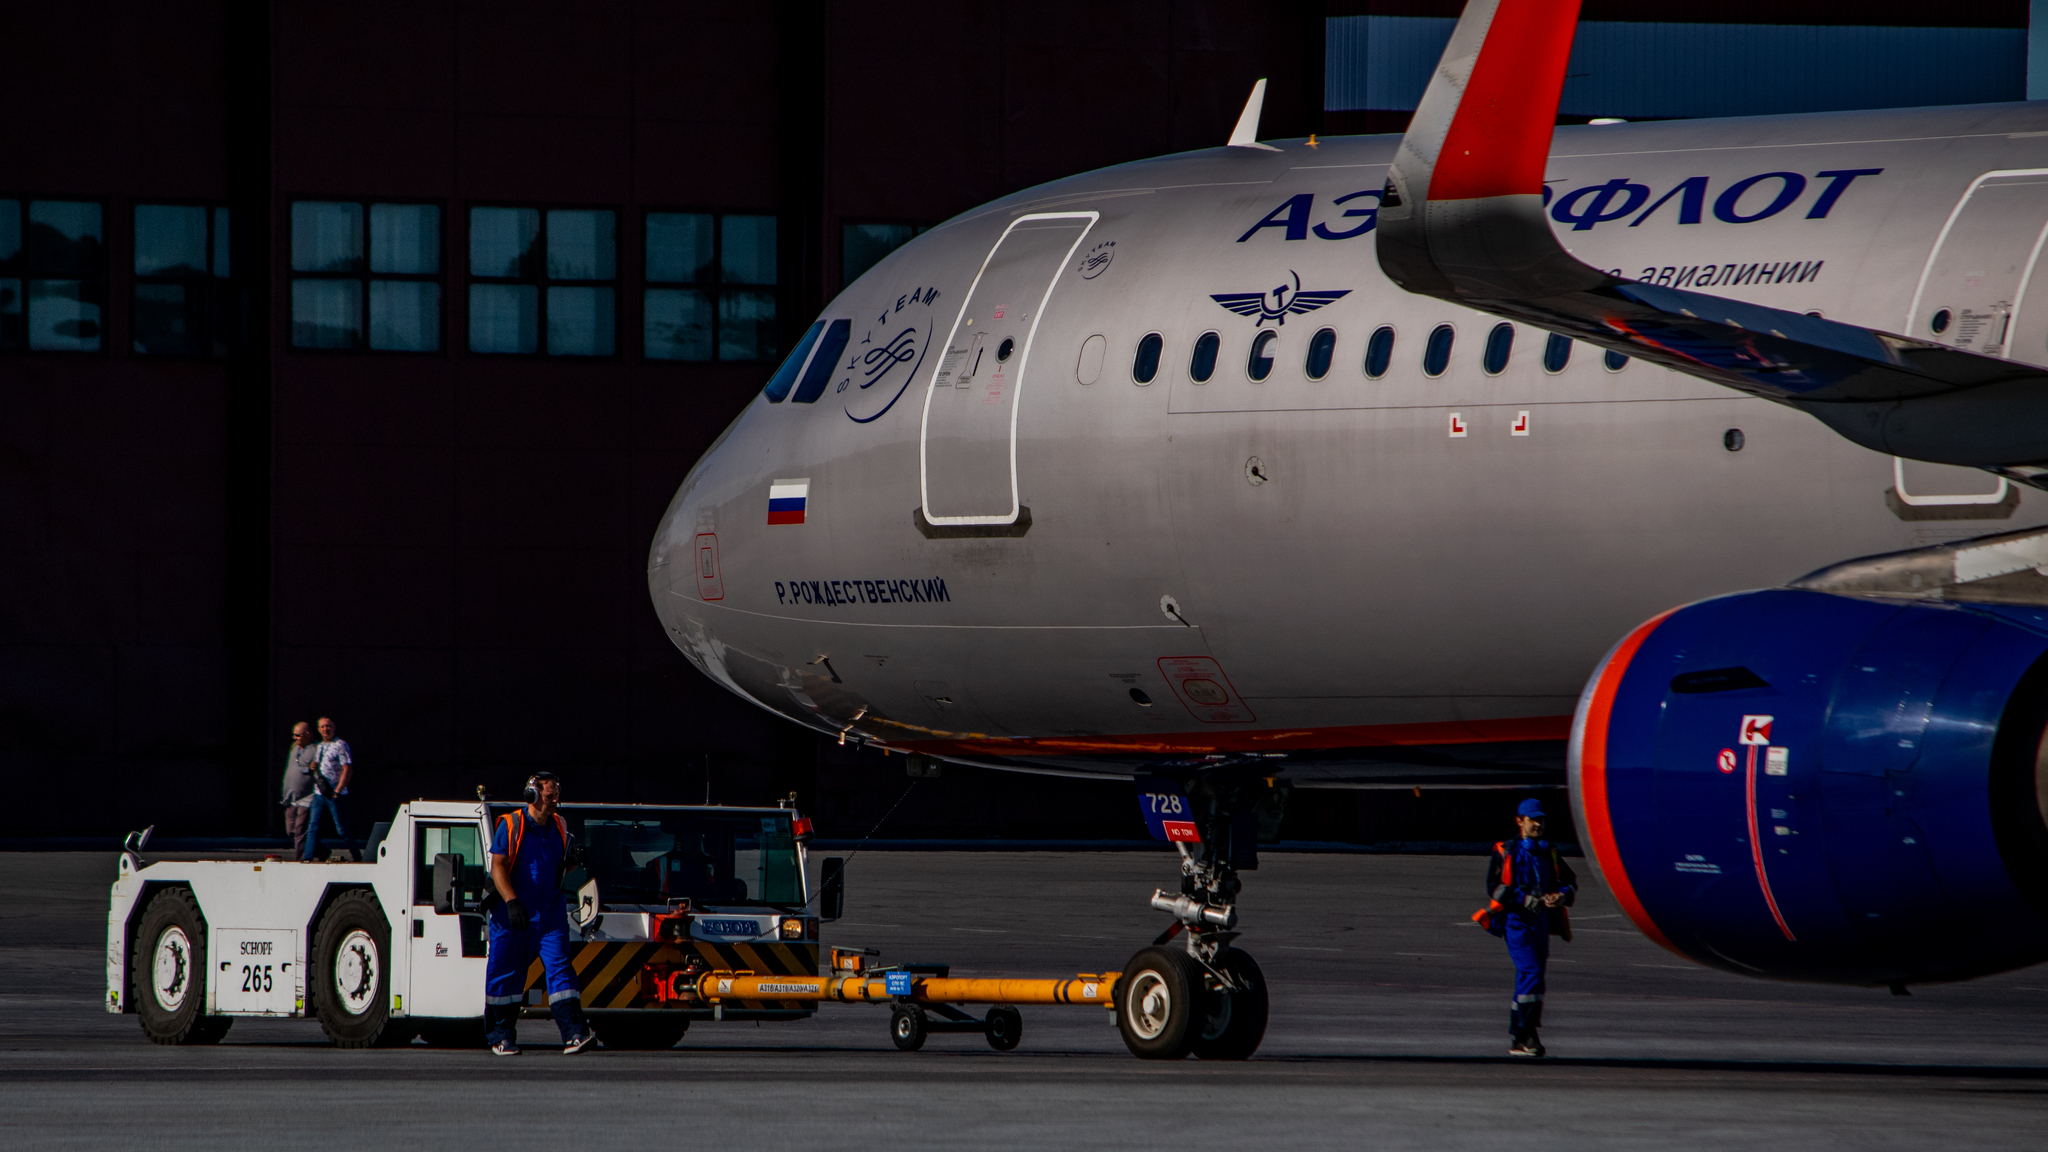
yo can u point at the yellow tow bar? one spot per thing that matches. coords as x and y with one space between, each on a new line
910 994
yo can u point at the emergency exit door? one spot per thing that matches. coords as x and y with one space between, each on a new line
1973 293
968 443
1983 290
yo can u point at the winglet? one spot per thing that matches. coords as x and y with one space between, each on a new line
1462 214
1246 134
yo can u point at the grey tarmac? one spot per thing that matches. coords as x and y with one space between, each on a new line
1388 1031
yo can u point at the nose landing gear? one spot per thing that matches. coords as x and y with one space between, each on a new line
1201 996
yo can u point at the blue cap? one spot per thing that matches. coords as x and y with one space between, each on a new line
1530 807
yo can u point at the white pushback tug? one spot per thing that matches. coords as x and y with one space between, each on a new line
678 913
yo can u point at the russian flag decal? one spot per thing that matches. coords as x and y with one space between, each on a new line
786 499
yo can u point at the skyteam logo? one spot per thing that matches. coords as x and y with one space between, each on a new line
878 367
1279 303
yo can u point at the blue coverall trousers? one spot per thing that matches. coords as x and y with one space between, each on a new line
1528 940
512 952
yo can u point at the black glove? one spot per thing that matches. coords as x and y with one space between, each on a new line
516 917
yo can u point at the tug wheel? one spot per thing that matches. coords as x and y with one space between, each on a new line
168 973
1234 1022
1157 1004
907 1027
1005 1027
351 975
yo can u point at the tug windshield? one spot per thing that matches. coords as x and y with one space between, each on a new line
642 856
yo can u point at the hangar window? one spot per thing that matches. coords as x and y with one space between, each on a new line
543 281
711 287
863 244
52 275
366 275
181 305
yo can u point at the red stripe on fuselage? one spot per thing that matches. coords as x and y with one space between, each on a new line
1599 829
1499 139
1238 740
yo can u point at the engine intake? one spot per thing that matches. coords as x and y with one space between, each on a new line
1809 786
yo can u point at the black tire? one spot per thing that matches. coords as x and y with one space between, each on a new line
462 1032
351 985
1158 1004
651 1031
1005 1027
907 1027
167 974
1234 1023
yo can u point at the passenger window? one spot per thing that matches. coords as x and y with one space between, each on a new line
1379 353
1557 352
1146 365
1321 348
1614 361
1259 364
434 839
1499 343
1436 356
1202 364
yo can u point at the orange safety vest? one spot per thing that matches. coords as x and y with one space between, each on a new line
1484 917
515 831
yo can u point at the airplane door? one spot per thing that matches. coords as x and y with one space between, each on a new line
968 445
1974 286
1983 291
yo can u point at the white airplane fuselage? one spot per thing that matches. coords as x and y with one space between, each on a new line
1031 557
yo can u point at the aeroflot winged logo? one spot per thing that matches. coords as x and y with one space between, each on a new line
1279 303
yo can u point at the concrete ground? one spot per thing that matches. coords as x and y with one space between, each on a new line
1388 1032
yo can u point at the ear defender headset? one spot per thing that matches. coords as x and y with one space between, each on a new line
532 793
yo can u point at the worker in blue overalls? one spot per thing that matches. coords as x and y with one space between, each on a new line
528 848
1528 888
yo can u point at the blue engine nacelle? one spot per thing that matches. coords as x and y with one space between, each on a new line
1808 786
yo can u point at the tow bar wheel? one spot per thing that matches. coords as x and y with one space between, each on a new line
1156 1008
168 973
351 976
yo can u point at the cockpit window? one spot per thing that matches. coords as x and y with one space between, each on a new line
825 363
785 376
719 858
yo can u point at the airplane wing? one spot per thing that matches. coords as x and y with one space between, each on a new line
1242 303
1462 220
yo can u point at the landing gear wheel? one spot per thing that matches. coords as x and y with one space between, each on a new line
351 975
1234 1022
167 974
646 1032
457 1033
907 1027
1005 1027
1158 1004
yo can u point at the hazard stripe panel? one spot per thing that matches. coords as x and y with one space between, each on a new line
610 974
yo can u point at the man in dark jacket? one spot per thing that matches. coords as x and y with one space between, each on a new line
1528 887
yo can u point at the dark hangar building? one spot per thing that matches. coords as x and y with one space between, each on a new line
350 351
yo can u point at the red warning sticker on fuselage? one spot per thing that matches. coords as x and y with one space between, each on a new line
1201 685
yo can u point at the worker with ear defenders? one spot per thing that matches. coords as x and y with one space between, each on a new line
528 848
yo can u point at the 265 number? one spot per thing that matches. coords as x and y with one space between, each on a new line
256 978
